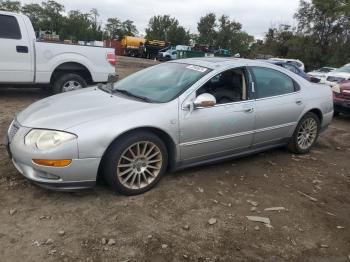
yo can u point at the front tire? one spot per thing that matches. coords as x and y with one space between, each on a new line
135 163
68 82
306 134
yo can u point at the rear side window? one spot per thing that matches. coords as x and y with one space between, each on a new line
291 68
270 82
9 27
295 63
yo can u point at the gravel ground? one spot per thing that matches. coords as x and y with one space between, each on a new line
199 214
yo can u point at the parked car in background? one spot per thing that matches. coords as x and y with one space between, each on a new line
167 55
170 116
291 67
151 48
321 73
25 62
170 53
295 62
341 97
339 75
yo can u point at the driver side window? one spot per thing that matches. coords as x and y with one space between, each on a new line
227 87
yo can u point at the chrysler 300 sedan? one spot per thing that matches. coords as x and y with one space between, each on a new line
167 117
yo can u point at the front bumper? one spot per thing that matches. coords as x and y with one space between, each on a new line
80 174
342 105
329 83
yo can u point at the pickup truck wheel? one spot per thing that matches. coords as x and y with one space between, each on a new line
68 82
135 163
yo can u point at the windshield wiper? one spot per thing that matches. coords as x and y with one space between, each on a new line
125 92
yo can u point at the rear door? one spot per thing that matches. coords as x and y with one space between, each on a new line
278 106
16 62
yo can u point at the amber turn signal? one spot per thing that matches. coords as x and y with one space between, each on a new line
53 163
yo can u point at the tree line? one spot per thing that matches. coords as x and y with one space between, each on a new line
321 37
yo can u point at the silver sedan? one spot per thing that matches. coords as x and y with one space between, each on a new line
167 117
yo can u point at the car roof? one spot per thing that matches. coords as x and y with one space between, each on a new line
277 62
217 62
209 62
285 59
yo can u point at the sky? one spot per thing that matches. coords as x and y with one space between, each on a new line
256 16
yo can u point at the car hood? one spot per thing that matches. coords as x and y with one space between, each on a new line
70 109
339 74
313 73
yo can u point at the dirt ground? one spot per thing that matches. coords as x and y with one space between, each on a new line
170 223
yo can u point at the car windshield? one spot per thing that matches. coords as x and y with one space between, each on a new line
161 83
344 69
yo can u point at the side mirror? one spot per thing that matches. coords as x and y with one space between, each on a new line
204 100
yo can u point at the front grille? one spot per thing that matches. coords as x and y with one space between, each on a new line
342 95
13 130
335 79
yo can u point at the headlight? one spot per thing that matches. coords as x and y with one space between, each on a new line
47 139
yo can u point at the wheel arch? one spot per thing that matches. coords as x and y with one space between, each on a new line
163 135
72 67
317 112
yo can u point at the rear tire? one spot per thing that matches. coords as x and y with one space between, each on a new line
305 134
68 82
134 164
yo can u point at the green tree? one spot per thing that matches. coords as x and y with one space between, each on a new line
52 15
128 28
241 43
35 14
327 23
166 28
207 29
113 28
226 31
80 26
11 6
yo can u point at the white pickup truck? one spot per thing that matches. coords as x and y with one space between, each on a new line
24 61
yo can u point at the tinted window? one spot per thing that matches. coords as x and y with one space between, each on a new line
324 70
297 64
291 68
9 27
270 82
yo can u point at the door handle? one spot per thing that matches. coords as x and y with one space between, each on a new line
299 101
22 49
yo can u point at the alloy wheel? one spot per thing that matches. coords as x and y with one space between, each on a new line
139 165
307 133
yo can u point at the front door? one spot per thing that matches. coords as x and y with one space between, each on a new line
221 129
16 62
